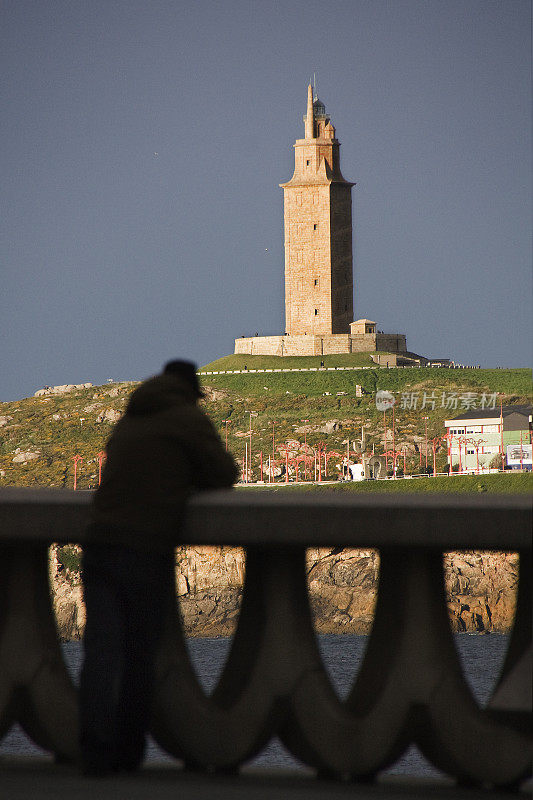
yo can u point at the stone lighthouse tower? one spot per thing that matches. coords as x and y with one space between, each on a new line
319 283
318 232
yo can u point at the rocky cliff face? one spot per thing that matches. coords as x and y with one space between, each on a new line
481 590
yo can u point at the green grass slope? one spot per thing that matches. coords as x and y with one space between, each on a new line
514 383
508 483
317 408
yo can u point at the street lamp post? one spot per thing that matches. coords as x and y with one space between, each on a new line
305 447
426 427
393 444
394 455
249 455
100 456
477 443
347 456
321 449
460 443
274 423
385 445
435 442
77 460
501 433
448 438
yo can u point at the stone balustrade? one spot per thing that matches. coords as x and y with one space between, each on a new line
409 689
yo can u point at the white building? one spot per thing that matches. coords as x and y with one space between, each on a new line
477 436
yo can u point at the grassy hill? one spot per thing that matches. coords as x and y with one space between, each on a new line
456 484
316 407
513 383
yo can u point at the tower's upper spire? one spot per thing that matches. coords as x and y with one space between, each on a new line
309 119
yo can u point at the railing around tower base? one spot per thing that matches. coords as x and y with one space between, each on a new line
410 687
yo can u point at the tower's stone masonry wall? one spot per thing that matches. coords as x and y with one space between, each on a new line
318 233
320 345
342 284
308 303
391 342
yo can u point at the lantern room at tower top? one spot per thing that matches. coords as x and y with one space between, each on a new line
319 285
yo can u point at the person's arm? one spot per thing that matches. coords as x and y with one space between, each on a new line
211 466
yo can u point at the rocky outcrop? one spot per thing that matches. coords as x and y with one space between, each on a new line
67 593
342 589
21 457
481 590
110 415
480 586
63 389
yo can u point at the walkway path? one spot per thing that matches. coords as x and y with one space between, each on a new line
325 369
40 779
285 369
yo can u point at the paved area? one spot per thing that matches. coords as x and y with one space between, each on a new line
41 779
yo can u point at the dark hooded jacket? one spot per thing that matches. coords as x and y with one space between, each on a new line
162 450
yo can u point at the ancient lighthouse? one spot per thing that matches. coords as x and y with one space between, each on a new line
319 285
318 232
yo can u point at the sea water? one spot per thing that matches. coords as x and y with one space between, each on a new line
481 656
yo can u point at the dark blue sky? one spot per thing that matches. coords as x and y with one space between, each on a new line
115 259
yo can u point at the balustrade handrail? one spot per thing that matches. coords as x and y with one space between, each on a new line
310 518
410 687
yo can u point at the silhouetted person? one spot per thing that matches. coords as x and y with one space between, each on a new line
161 451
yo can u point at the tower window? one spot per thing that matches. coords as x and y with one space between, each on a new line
316 312
315 226
317 281
307 162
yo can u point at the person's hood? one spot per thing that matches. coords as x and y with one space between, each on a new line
157 394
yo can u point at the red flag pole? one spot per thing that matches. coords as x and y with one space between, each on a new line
501 433
76 459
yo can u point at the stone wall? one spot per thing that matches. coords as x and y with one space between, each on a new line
391 342
260 346
321 345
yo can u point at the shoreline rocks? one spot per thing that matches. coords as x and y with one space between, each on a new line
480 589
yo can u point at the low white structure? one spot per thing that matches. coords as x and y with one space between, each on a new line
357 471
